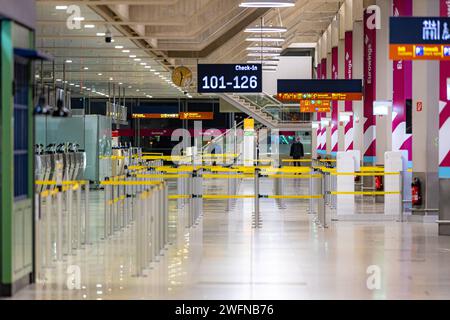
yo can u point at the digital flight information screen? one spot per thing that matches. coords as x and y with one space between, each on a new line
229 78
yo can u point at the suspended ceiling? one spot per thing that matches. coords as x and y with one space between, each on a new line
161 34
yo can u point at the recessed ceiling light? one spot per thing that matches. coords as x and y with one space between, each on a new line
89 26
61 7
266 30
58 80
78 19
132 56
267 4
265 49
265 39
69 61
143 64
157 73
99 74
148 67
120 83
118 47
264 54
86 68
125 51
101 34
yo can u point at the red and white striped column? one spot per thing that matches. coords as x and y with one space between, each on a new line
444 108
348 131
335 107
370 62
402 90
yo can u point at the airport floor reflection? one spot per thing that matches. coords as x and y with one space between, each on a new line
288 258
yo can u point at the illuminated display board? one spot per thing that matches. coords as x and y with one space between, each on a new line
428 38
181 116
311 106
197 116
329 90
156 116
229 78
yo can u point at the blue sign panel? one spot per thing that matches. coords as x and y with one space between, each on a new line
320 86
229 78
419 30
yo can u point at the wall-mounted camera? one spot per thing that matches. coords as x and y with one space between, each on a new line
108 36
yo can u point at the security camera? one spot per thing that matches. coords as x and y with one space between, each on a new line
108 37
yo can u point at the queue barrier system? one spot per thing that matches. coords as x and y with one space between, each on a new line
140 198
63 219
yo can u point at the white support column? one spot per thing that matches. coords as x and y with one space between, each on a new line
329 76
384 85
341 73
425 122
394 163
358 73
346 163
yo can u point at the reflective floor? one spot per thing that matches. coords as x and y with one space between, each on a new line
290 257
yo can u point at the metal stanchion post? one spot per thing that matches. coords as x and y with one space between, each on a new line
257 219
106 213
166 209
87 214
69 221
78 217
48 230
138 236
59 230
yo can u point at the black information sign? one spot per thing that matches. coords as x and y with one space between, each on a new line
320 86
229 78
419 30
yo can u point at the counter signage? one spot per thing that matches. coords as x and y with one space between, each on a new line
428 38
312 106
325 90
229 78
181 116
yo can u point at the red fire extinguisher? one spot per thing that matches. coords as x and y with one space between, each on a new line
416 192
379 183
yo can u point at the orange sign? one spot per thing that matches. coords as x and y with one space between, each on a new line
311 106
419 52
156 116
196 115
297 97
249 124
182 116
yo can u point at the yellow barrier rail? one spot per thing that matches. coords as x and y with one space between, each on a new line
130 183
365 193
292 176
54 183
227 176
296 197
220 197
365 174
162 176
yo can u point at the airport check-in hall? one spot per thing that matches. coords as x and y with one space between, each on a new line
225 150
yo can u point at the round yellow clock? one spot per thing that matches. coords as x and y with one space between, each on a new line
182 77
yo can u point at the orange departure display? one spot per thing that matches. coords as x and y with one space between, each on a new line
196 115
181 116
297 97
156 116
419 52
311 106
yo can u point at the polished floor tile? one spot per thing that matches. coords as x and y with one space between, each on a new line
290 257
